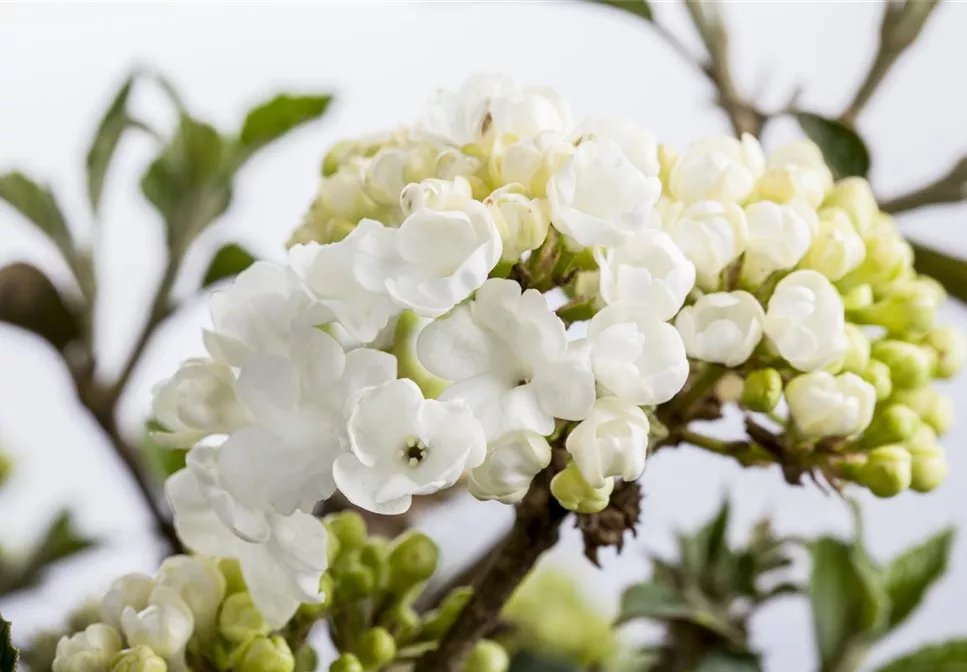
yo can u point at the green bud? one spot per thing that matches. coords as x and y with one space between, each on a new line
354 583
408 328
951 348
348 527
937 290
139 659
376 647
488 656
403 620
910 364
928 466
854 195
909 309
336 156
887 471
762 390
857 355
858 297
877 374
412 561
934 408
265 654
887 255
574 493
439 621
375 555
306 659
239 619
347 662
894 423
232 571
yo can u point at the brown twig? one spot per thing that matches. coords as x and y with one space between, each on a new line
951 188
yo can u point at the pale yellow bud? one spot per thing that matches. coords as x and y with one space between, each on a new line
854 195
951 348
888 471
857 355
574 493
522 222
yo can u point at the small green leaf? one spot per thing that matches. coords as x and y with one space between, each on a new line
639 8
949 271
531 661
8 652
61 540
164 460
272 119
946 657
721 661
228 262
910 575
38 205
105 142
654 601
843 149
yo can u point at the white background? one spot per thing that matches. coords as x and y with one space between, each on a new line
59 65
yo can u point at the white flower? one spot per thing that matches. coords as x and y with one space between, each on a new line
648 269
328 272
91 650
825 405
199 582
255 313
723 327
165 625
719 168
793 171
392 168
281 570
805 321
636 356
529 163
433 261
435 194
637 143
838 248
778 235
611 441
130 590
511 464
598 197
405 445
711 235
522 222
493 105
197 402
511 361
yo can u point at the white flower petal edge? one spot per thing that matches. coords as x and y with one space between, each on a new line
710 234
611 441
724 327
130 590
200 583
94 648
636 142
779 236
512 463
720 168
165 625
805 320
825 405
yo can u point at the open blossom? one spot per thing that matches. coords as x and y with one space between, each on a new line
636 142
198 401
711 234
405 445
636 356
778 235
822 404
720 168
130 590
511 464
91 650
165 625
510 360
805 320
611 441
598 197
724 327
648 269
199 582
529 163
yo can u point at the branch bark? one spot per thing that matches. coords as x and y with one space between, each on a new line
951 188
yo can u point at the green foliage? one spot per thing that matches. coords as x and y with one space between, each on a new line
164 461
654 601
60 541
720 661
8 652
105 142
38 205
531 661
949 271
640 8
910 575
271 120
843 149
948 656
228 262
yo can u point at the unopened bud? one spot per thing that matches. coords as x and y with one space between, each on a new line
860 296
347 662
488 656
266 654
353 581
139 659
306 659
375 555
877 374
232 571
908 309
412 561
348 527
574 494
934 408
934 288
928 466
887 471
376 647
522 222
239 619
910 364
893 424
857 355
951 348
855 196
762 390
838 248
439 621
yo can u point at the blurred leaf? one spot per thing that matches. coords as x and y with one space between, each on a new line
946 657
910 575
529 661
654 601
272 119
948 271
38 205
164 460
848 599
105 142
714 535
8 652
29 300
228 262
306 659
721 661
61 540
843 149
639 8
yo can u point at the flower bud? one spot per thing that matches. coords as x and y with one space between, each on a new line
910 364
488 656
130 590
805 321
951 348
354 581
711 235
412 561
877 374
375 556
239 619
376 647
165 625
512 462
825 405
778 237
91 650
529 163
232 571
934 288
200 583
439 621
907 310
139 659
719 168
857 355
347 662
928 466
887 254
795 170
934 408
611 441
722 327
574 494
762 390
521 221
893 424
838 248
265 654
860 296
887 471
855 196
348 527
435 194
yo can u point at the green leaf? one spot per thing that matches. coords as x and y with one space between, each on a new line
530 661
61 540
639 8
228 262
721 661
272 119
105 142
849 603
843 149
38 205
8 652
949 271
946 657
910 575
655 601
164 460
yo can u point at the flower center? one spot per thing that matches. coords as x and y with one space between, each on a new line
413 452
